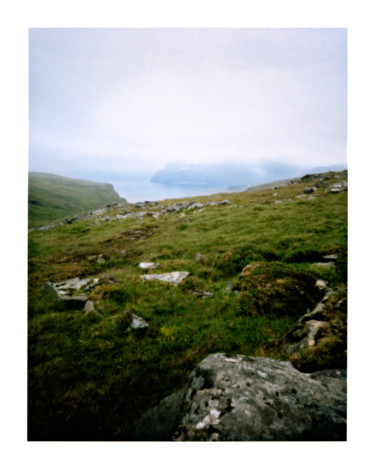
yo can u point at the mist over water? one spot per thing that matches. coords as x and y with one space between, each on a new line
141 190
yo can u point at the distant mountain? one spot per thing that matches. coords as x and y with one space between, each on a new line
52 197
231 174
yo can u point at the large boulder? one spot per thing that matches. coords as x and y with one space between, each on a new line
241 398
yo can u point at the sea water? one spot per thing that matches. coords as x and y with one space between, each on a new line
138 190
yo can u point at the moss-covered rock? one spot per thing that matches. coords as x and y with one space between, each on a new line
277 289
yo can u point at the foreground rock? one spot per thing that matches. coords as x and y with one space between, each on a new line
174 277
242 398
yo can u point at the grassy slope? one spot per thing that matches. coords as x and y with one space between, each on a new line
53 197
90 379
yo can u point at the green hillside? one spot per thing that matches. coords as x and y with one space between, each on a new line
53 197
253 260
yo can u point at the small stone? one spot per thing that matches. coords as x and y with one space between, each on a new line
323 264
89 308
321 284
203 294
332 257
73 302
310 190
148 265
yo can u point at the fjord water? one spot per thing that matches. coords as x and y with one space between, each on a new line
137 190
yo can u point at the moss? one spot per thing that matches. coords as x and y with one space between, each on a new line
277 289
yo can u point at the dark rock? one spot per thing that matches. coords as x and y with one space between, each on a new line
160 422
241 398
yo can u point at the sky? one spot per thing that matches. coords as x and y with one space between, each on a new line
109 103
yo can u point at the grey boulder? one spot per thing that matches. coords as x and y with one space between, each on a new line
242 398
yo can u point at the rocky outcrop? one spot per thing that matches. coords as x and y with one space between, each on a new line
242 398
318 340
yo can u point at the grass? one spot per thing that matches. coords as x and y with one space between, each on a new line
52 197
90 378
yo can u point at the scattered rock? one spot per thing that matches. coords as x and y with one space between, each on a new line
242 398
339 187
310 190
133 322
229 287
318 339
138 323
203 294
90 308
108 277
198 257
324 264
195 206
321 183
74 302
321 284
66 288
148 265
331 257
174 277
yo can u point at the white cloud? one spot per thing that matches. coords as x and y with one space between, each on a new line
148 98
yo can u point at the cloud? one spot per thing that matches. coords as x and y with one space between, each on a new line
146 98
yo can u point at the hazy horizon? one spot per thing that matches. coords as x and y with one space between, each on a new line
118 104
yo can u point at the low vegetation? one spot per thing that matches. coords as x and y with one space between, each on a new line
91 376
53 197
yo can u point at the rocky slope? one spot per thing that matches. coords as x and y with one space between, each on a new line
128 300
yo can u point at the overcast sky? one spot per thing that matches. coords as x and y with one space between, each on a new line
123 100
